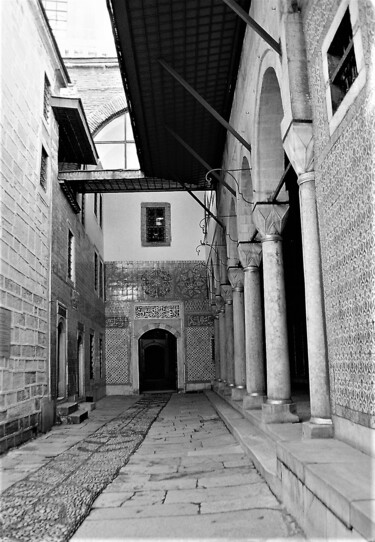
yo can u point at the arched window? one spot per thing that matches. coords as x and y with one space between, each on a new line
115 144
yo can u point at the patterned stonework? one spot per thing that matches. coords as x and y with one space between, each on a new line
157 283
197 305
117 356
199 363
345 181
192 282
156 311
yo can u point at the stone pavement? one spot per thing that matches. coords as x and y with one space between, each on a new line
188 480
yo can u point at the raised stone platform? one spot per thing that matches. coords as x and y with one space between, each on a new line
325 483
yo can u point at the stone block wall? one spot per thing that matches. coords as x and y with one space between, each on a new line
25 218
159 283
344 164
84 306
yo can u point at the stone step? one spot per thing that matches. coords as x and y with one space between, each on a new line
87 406
65 409
78 417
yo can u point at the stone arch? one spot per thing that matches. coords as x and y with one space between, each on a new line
149 327
107 112
270 151
245 198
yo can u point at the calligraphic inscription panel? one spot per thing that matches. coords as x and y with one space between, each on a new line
156 312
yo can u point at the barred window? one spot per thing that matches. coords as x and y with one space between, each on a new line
92 354
101 357
46 99
156 224
101 280
342 66
70 255
43 169
96 278
83 210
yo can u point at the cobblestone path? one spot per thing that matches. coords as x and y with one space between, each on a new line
49 504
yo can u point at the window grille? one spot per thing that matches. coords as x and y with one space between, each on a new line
96 271
101 357
342 66
155 224
70 255
96 204
91 356
101 280
83 209
46 99
43 169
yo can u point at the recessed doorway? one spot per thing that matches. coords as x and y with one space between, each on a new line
157 361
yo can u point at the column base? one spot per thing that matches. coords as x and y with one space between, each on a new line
279 413
227 390
238 393
312 430
253 402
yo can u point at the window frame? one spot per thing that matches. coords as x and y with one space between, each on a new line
336 117
71 256
144 226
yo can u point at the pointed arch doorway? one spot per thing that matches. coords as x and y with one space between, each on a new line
157 361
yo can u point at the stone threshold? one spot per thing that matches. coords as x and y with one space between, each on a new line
327 485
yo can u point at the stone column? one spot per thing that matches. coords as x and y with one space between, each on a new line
236 278
216 353
222 343
251 255
226 292
270 219
320 424
299 145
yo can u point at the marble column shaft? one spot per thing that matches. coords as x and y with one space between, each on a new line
226 291
235 276
251 255
315 322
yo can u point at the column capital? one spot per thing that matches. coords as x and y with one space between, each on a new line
250 254
219 303
235 276
298 143
270 219
308 177
226 292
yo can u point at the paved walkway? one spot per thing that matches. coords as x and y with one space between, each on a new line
148 467
188 480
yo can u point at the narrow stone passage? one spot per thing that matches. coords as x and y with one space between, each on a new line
50 503
189 479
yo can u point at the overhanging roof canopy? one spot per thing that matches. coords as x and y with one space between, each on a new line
201 40
75 142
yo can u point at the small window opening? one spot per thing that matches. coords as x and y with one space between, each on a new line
91 356
43 169
342 66
70 255
47 98
96 278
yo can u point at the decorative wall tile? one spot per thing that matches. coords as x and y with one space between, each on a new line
199 363
197 305
199 320
117 356
345 187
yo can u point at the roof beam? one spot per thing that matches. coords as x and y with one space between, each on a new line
201 204
201 160
205 104
254 25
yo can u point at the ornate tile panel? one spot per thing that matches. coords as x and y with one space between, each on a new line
199 363
117 355
156 311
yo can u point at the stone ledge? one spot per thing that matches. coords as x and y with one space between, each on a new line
325 483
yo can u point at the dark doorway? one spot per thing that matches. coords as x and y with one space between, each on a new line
295 289
157 361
